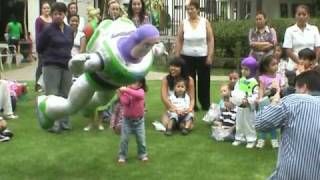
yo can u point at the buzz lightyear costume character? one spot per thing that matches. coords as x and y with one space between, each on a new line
118 54
246 88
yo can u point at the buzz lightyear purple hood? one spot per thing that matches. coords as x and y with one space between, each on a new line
251 63
126 44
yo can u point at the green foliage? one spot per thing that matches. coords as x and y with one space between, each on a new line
77 155
229 34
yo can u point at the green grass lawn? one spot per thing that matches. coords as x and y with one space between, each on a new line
36 154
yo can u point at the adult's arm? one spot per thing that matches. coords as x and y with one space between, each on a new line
287 44
271 117
43 40
179 40
38 26
317 44
210 43
165 95
83 44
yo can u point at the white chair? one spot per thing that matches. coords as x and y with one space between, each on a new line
8 54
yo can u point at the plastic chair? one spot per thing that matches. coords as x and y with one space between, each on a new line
8 55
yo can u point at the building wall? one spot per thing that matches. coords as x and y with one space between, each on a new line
271 8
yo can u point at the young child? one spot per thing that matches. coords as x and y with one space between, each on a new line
243 96
233 76
307 58
180 114
224 128
269 84
282 64
132 100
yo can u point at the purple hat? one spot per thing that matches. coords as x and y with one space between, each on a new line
251 63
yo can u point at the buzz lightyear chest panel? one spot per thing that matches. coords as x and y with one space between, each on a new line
247 86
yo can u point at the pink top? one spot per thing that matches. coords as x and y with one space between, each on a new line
267 80
133 102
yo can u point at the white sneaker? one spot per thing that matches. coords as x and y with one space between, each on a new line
4 138
250 145
11 116
260 143
274 143
236 143
87 128
101 128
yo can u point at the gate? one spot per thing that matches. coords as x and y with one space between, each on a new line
177 12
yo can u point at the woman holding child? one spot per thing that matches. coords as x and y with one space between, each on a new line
301 35
176 70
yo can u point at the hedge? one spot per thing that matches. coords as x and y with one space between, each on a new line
231 37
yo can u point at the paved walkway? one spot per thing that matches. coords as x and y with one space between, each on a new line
27 73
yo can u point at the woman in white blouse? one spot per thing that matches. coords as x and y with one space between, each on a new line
301 35
195 44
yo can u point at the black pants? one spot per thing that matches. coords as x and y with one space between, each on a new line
39 68
197 66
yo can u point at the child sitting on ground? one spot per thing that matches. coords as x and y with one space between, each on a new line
223 129
180 115
269 85
243 96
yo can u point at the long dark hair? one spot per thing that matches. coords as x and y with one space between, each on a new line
178 62
143 84
142 12
264 64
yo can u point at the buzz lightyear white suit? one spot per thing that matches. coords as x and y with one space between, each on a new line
118 54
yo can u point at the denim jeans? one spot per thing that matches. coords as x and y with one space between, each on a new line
136 127
263 135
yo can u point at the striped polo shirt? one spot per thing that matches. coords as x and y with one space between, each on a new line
298 117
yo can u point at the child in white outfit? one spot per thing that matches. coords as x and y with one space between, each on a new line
244 96
180 114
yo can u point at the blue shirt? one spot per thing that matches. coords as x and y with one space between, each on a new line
298 117
55 45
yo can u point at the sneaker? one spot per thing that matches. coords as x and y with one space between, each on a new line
236 143
185 131
4 138
274 143
11 116
145 159
260 143
101 128
168 132
121 161
7 133
250 145
87 128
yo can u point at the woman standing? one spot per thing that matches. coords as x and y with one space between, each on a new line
262 38
41 22
195 44
301 35
55 44
137 12
73 10
79 42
